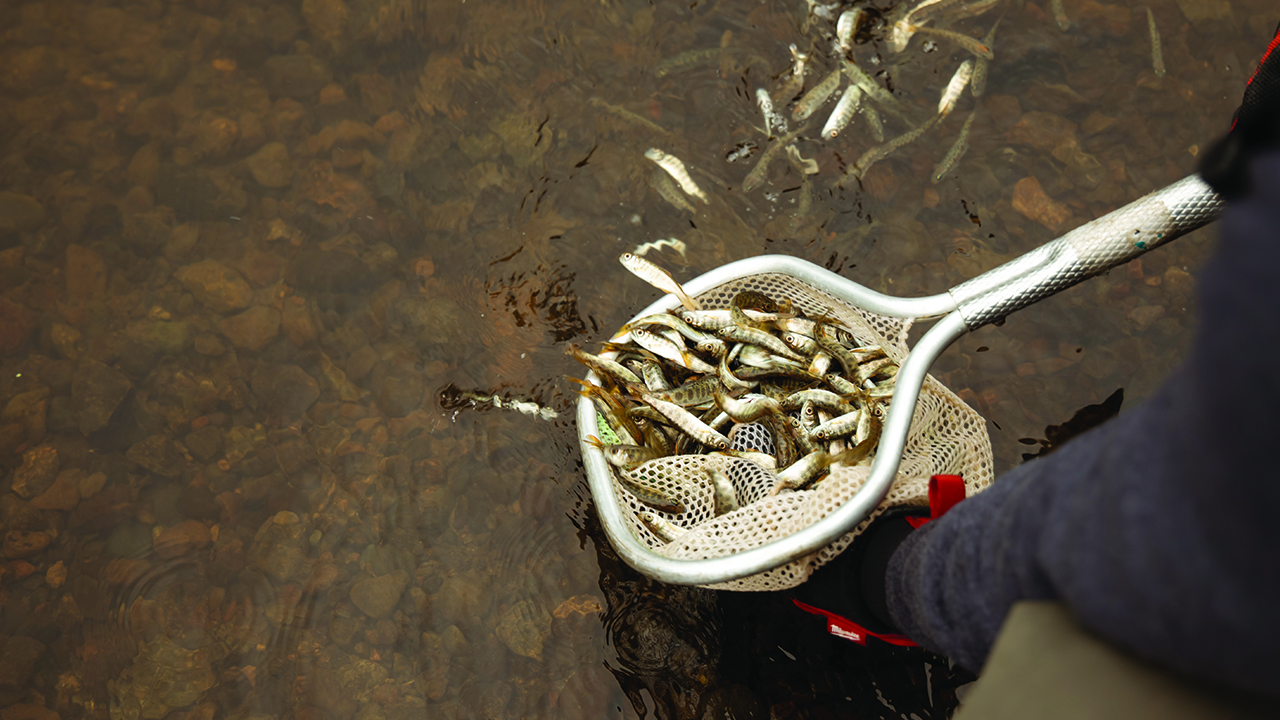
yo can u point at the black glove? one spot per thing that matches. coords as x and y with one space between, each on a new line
850 590
1255 129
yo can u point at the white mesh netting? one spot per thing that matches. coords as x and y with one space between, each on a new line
946 437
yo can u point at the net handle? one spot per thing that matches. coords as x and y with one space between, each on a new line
1089 250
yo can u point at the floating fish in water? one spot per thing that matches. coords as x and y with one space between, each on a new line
872 90
657 277
772 119
686 60
631 117
969 44
846 26
880 152
956 152
451 398
808 166
795 81
845 107
668 191
756 177
973 9
899 35
672 243
927 10
740 151
978 83
677 171
1157 57
952 93
816 96
1060 15
873 119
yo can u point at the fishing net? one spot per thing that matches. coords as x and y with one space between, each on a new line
946 437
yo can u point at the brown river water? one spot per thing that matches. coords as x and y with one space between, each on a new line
253 254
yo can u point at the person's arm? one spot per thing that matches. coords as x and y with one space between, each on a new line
1156 528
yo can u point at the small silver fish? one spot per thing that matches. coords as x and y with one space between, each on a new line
604 367
880 152
686 421
805 470
927 9
666 530
725 497
1157 57
816 96
657 277
952 93
663 346
873 91
795 81
675 168
672 243
756 177
808 166
1060 15
844 110
978 83
900 34
873 119
956 152
668 191
969 44
846 26
771 118
686 60
623 456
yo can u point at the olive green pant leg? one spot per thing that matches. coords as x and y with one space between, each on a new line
1045 666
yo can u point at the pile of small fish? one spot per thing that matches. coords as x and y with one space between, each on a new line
684 381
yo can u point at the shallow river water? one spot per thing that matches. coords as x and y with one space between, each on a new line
258 260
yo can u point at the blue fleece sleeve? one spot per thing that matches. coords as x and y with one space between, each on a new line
1156 528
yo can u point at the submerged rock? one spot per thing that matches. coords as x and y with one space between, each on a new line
158 455
19 213
252 329
524 628
377 596
296 76
96 391
182 539
270 165
216 285
284 389
39 468
18 659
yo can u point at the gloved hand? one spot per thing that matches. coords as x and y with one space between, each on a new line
850 590
1255 129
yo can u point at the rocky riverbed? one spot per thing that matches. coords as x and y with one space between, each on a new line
245 246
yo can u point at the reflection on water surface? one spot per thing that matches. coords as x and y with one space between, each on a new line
245 246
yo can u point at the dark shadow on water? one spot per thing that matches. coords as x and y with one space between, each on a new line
1085 419
688 653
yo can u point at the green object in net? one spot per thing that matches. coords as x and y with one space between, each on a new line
607 435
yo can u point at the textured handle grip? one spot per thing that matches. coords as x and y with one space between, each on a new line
1087 251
